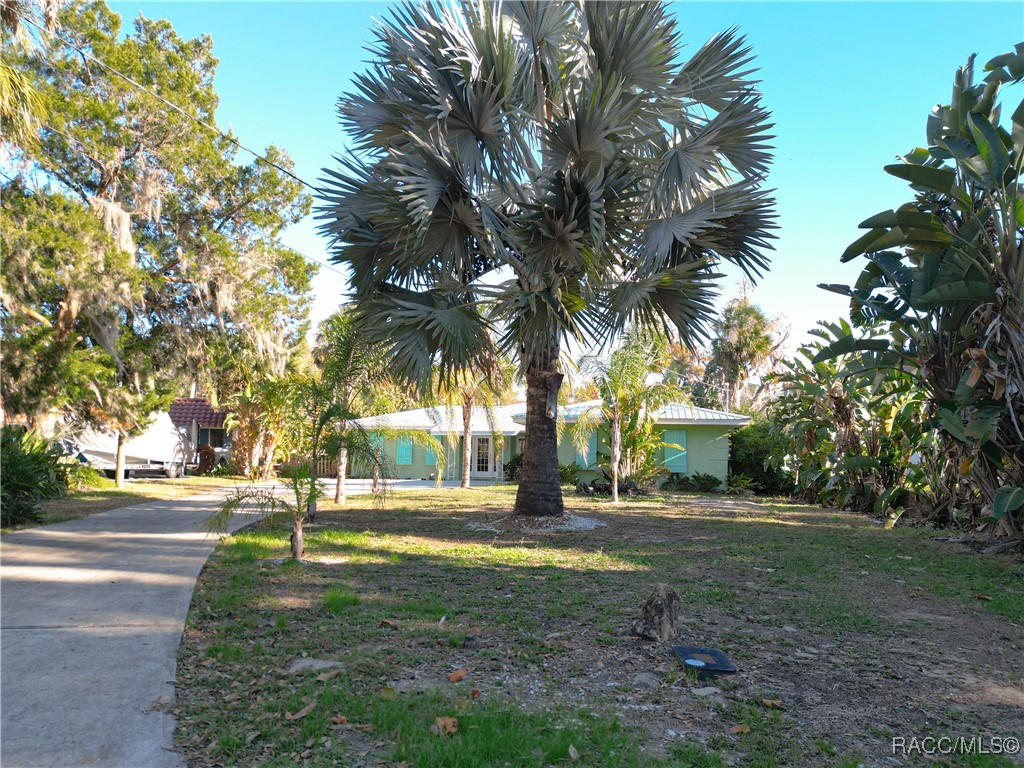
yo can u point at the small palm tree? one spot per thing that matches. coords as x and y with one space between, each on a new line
305 490
529 173
627 397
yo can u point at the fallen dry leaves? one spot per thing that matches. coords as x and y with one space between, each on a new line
301 713
772 703
445 726
458 674
740 728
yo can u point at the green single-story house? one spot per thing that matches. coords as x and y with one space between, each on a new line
702 433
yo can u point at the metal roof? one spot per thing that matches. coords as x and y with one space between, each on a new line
442 420
671 413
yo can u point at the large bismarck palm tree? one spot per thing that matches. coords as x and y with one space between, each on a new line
526 173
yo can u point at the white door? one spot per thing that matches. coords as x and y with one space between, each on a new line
481 462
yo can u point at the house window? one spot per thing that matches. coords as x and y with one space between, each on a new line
521 445
588 459
211 437
675 458
403 451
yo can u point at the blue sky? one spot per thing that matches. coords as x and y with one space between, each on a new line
849 85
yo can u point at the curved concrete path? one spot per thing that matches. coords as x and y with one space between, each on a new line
91 615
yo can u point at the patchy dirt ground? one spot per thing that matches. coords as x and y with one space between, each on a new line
845 635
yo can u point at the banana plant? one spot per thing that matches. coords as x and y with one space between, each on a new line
944 274
854 426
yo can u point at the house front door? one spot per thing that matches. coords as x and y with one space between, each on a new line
481 462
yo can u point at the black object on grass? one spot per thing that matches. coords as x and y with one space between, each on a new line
715 661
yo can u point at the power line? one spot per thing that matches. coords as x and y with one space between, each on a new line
86 55
269 238
198 121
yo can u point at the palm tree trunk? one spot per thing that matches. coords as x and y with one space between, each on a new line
298 547
540 493
311 510
119 461
467 440
267 459
616 449
339 489
339 475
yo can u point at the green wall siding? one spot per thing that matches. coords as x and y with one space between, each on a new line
419 469
707 449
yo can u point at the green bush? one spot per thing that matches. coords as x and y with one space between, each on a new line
32 470
514 468
224 470
677 482
705 483
80 476
755 451
568 474
740 485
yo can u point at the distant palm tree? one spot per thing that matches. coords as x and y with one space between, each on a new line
528 173
747 342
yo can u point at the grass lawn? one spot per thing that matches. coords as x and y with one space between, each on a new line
846 635
106 496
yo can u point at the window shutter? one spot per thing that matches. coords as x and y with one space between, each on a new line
588 460
403 451
430 457
675 458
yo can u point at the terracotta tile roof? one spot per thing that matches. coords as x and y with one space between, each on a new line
185 409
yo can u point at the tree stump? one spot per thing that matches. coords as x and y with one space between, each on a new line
659 615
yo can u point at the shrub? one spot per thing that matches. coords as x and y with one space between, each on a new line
514 468
740 485
79 475
755 451
207 458
568 474
677 482
224 470
32 471
705 483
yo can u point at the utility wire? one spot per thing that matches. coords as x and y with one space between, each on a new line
267 237
86 55
203 123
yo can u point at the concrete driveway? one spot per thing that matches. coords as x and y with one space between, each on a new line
91 615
